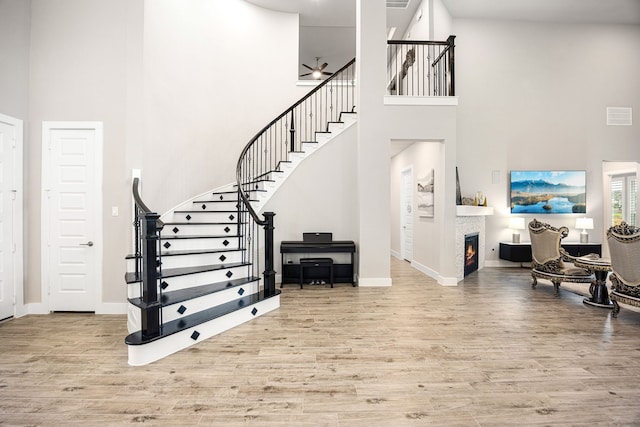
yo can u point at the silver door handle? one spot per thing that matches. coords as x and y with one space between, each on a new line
89 243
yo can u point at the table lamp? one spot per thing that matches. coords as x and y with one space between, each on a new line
585 224
516 224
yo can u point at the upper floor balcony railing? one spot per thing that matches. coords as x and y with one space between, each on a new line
421 68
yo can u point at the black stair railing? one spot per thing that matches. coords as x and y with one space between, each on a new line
421 68
148 268
270 149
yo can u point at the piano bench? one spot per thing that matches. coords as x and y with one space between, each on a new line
316 263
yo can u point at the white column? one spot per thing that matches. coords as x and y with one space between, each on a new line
373 147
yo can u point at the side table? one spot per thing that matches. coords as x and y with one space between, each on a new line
598 289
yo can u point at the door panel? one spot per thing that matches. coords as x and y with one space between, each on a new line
7 290
73 209
406 215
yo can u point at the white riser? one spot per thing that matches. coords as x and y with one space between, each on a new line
310 147
336 127
204 243
170 313
200 259
193 260
191 280
214 194
143 354
210 206
203 216
197 229
348 118
197 279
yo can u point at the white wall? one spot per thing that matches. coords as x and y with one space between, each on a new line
14 57
534 96
373 147
419 29
78 73
441 22
215 74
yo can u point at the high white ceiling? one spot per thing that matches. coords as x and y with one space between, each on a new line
342 13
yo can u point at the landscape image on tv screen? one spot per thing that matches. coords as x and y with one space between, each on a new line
552 192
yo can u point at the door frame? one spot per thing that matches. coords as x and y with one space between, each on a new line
409 170
19 307
47 128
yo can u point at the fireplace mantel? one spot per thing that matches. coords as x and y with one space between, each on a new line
468 210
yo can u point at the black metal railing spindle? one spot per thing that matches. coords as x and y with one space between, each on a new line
411 72
269 148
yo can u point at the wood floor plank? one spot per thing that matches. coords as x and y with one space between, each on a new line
491 351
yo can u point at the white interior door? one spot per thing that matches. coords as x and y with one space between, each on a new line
10 279
406 214
72 183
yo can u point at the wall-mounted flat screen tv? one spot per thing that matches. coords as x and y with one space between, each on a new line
548 192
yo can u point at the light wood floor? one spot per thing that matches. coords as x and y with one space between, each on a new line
490 352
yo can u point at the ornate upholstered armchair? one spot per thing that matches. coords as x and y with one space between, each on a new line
624 247
549 259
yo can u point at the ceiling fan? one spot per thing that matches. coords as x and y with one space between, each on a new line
318 71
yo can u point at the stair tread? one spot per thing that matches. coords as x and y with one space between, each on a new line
200 317
182 295
191 252
133 277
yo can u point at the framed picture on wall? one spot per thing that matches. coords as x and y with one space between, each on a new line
548 192
425 195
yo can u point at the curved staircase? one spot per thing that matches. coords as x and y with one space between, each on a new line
195 271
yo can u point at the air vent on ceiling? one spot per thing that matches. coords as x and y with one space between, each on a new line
619 116
398 4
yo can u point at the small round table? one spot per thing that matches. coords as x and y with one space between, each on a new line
600 267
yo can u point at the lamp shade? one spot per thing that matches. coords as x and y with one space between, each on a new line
516 223
584 223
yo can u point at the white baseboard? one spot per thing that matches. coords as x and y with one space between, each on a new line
444 281
396 254
372 282
448 281
426 270
37 308
112 308
103 308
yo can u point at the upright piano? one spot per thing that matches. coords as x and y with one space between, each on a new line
317 246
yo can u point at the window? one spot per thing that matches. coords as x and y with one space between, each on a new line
624 192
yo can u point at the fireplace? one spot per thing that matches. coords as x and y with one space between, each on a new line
470 253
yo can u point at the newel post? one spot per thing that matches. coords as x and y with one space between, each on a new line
452 68
292 131
150 319
269 272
